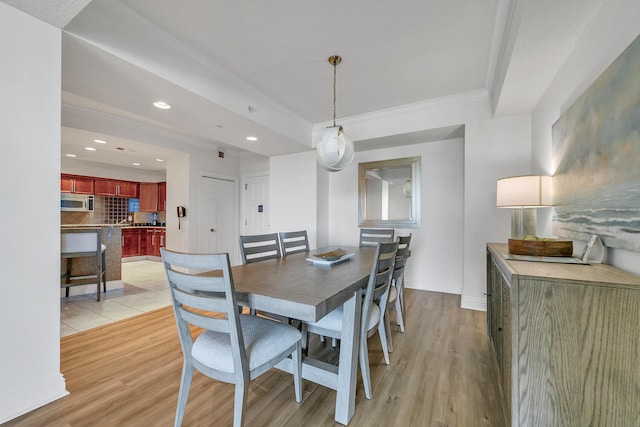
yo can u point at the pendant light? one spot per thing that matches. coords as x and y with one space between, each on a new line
335 150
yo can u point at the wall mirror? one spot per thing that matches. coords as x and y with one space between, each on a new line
389 193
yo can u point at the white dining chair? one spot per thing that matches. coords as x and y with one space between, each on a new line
234 348
372 315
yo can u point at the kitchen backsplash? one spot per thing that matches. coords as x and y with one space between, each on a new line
109 210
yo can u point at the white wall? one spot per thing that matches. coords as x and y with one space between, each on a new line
493 148
612 30
451 244
293 191
437 247
30 251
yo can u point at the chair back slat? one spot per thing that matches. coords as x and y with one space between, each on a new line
209 322
210 281
293 242
373 236
259 247
216 303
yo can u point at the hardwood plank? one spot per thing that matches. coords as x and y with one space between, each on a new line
127 374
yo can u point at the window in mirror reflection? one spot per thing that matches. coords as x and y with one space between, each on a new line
389 193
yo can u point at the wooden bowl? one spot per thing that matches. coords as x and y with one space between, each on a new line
552 247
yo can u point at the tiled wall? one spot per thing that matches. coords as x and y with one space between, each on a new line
108 210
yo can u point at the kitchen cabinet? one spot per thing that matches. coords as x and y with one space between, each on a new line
76 184
149 197
162 196
109 187
132 239
565 339
156 239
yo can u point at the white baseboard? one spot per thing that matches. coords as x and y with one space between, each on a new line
32 396
91 288
472 303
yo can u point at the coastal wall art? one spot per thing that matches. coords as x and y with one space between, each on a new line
596 155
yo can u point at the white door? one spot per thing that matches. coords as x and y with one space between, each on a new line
218 210
255 219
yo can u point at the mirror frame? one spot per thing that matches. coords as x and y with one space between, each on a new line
414 221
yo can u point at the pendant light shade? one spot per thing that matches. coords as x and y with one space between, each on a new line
335 150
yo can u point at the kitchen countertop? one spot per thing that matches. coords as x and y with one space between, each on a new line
112 225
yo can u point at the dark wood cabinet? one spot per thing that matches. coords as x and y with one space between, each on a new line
162 196
76 184
142 241
113 188
128 189
149 197
156 239
131 242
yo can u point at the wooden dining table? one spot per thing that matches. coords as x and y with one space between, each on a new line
296 288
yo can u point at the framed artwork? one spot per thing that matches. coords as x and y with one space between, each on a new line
596 154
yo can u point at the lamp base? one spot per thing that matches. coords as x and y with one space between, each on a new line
523 223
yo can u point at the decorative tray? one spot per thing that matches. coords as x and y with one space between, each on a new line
331 257
541 247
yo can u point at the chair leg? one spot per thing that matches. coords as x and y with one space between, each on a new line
183 394
296 357
305 339
242 389
399 314
383 340
387 328
364 366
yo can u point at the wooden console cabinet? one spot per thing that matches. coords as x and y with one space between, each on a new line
566 341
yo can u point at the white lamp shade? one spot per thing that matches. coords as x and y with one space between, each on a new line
529 191
335 150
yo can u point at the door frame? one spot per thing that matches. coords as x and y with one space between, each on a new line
234 256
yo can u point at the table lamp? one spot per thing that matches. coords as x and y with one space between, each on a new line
521 194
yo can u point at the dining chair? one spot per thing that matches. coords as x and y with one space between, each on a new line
377 289
259 247
292 242
396 291
233 348
373 236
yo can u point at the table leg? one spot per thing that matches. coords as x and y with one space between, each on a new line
348 365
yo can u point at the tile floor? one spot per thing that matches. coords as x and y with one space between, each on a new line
145 289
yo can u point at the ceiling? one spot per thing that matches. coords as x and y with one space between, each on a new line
231 69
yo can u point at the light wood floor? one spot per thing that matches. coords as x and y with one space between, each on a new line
127 374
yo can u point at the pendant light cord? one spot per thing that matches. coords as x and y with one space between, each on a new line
334 94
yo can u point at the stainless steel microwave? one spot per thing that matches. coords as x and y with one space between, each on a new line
76 202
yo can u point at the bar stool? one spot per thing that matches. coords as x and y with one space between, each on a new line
82 242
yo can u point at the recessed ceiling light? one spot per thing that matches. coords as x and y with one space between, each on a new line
89 148
162 105
100 141
159 160
252 138
70 155
135 164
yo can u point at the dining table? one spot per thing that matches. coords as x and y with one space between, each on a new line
294 287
